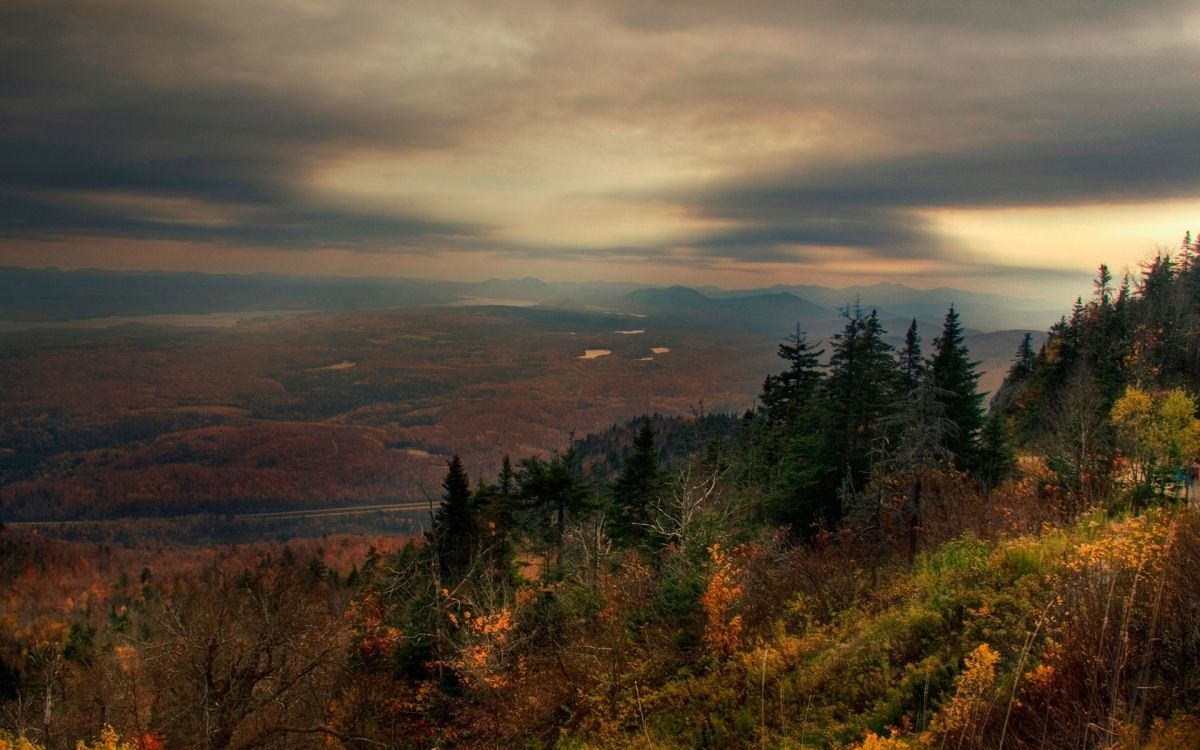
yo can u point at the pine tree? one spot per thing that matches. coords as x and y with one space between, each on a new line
912 367
1103 286
494 521
997 459
634 490
506 477
862 388
454 524
1123 294
954 376
785 395
1022 364
554 494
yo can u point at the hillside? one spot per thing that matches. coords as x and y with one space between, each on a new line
875 571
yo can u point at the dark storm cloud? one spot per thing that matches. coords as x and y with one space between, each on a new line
797 230
818 125
83 113
872 205
1012 15
1161 161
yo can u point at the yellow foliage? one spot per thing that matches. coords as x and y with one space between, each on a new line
1040 677
1133 410
9 742
1189 442
975 688
1157 429
874 742
1130 544
109 740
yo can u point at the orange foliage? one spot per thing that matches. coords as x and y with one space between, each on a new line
964 717
723 628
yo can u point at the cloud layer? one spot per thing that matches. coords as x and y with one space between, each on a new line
766 134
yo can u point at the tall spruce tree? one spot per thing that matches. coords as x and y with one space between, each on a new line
953 375
1022 363
912 366
786 395
862 388
507 477
635 488
454 523
1103 286
553 494
997 459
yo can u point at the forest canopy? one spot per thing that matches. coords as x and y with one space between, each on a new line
868 558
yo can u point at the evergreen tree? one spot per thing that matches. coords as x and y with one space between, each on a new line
955 378
1123 293
493 511
507 477
912 367
1159 328
785 395
997 459
1077 313
554 493
1103 285
862 388
1022 363
635 488
454 524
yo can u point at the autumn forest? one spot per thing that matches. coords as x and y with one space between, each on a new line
873 553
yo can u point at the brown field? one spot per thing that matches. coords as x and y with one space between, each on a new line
139 421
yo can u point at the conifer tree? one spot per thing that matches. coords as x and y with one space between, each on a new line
912 367
506 477
955 378
1022 363
634 490
862 388
454 524
785 395
505 505
1123 293
493 522
554 493
997 459
1103 285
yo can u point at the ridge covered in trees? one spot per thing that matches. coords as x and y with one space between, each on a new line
866 559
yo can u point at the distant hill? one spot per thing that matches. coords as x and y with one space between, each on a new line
50 294
776 311
670 299
986 310
528 288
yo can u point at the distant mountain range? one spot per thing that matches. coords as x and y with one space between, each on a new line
50 294
774 309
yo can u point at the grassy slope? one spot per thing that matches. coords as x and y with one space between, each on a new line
1084 622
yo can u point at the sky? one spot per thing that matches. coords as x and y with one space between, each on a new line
999 146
